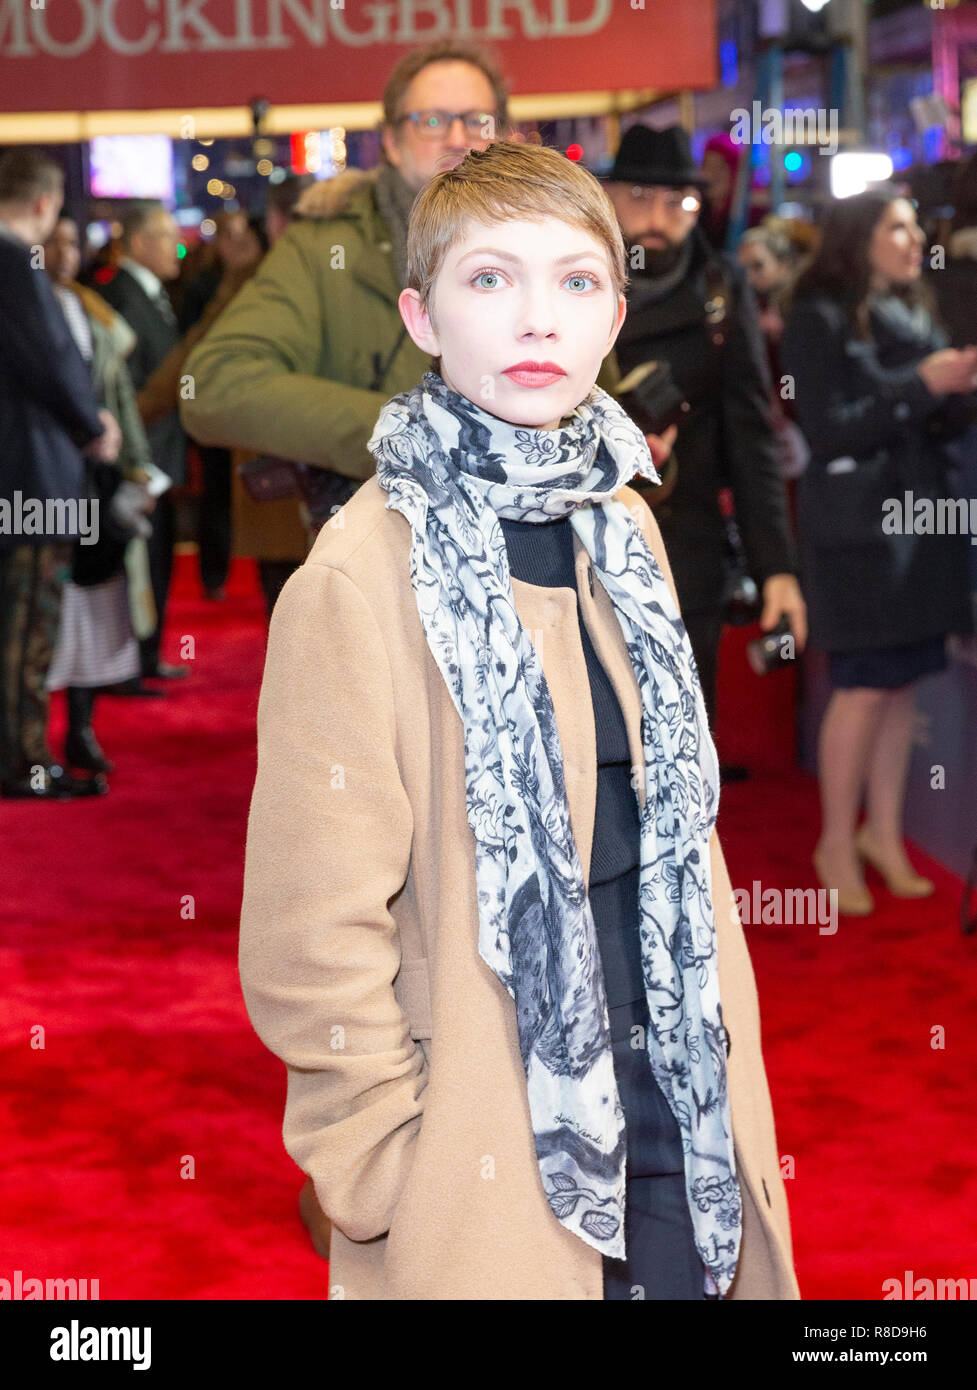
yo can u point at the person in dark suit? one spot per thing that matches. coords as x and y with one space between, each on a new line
138 292
878 396
49 414
691 307
239 244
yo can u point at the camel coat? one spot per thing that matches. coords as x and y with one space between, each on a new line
359 961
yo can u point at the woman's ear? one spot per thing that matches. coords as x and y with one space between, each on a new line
417 321
622 309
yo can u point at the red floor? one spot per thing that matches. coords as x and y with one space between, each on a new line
142 1141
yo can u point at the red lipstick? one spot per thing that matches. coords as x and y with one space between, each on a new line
534 374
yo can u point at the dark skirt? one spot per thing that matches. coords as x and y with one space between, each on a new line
887 668
662 1261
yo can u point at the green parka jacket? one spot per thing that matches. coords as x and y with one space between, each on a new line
287 368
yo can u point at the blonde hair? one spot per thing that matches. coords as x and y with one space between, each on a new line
507 180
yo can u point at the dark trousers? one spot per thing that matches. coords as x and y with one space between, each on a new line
32 579
160 547
662 1262
705 629
214 529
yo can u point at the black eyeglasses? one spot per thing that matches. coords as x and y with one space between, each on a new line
433 125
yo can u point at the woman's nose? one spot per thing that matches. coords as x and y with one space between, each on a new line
538 316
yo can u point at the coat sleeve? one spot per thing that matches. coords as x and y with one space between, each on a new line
40 353
749 444
328 847
847 404
256 379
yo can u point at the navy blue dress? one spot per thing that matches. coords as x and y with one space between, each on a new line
662 1262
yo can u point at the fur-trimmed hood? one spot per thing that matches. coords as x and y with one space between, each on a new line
330 197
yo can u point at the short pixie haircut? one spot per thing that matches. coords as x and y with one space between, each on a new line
507 180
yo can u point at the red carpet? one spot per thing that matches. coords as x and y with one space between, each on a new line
142 1142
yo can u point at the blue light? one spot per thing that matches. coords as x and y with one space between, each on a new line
901 158
729 62
933 141
793 162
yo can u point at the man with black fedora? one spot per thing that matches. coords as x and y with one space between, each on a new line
692 342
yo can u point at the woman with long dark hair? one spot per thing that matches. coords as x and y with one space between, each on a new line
878 394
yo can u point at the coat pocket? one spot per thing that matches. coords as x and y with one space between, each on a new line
414 995
845 508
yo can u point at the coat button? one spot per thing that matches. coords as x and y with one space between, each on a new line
590 579
902 411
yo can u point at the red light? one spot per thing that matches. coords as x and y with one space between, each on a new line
299 160
574 152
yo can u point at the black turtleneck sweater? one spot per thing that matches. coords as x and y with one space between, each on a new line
542 554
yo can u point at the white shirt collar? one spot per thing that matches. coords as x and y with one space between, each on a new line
149 280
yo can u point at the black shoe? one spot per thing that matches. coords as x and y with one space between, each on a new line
57 786
81 750
733 772
23 789
89 786
165 671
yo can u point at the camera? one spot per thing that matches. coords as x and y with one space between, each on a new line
651 397
771 651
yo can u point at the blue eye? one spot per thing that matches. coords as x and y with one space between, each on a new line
486 275
582 282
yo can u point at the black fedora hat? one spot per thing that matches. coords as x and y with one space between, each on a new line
655 157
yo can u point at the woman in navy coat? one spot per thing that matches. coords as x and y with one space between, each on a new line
878 395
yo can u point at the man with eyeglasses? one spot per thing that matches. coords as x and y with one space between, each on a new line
300 363
691 310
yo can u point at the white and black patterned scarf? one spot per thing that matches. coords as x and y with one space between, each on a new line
452 469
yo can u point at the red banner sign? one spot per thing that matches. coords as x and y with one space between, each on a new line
96 55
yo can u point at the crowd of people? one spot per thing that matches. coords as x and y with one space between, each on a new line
784 393
290 363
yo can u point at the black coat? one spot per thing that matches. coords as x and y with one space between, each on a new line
155 337
48 409
955 287
864 400
726 439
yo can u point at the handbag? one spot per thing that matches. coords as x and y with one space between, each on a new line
270 479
